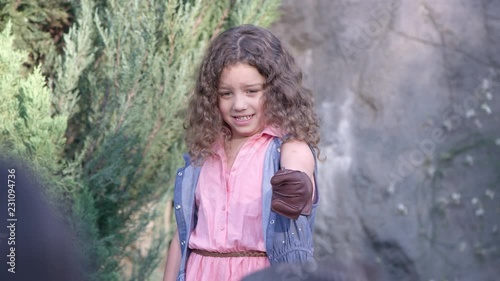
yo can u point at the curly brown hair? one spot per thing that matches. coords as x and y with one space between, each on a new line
287 104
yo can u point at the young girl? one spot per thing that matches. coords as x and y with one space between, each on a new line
246 198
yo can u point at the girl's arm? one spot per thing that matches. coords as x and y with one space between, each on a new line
296 155
173 259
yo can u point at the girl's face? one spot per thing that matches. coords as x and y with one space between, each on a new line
241 100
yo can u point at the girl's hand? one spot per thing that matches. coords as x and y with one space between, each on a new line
292 192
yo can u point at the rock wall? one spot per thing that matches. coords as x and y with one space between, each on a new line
408 93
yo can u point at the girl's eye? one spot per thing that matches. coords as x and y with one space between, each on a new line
225 94
252 91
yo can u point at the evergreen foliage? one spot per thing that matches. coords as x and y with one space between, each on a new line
38 27
28 128
118 90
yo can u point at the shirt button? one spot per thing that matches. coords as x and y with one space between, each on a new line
271 222
279 149
177 207
183 242
179 173
222 228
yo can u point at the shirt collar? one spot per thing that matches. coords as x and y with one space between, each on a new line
268 130
272 131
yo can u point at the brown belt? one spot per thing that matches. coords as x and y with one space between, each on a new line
230 255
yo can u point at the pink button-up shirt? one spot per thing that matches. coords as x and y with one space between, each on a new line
230 211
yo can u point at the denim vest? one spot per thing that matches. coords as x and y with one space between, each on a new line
286 240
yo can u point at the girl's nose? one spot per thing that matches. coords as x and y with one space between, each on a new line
240 103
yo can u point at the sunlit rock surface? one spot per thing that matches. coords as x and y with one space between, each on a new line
409 97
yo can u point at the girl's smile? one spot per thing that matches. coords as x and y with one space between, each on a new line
241 100
242 119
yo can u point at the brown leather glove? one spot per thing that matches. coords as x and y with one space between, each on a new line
292 192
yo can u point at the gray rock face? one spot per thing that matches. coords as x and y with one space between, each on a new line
408 93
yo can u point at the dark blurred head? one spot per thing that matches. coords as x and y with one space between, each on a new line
329 270
43 247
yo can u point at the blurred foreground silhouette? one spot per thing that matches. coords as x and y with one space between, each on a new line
34 241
